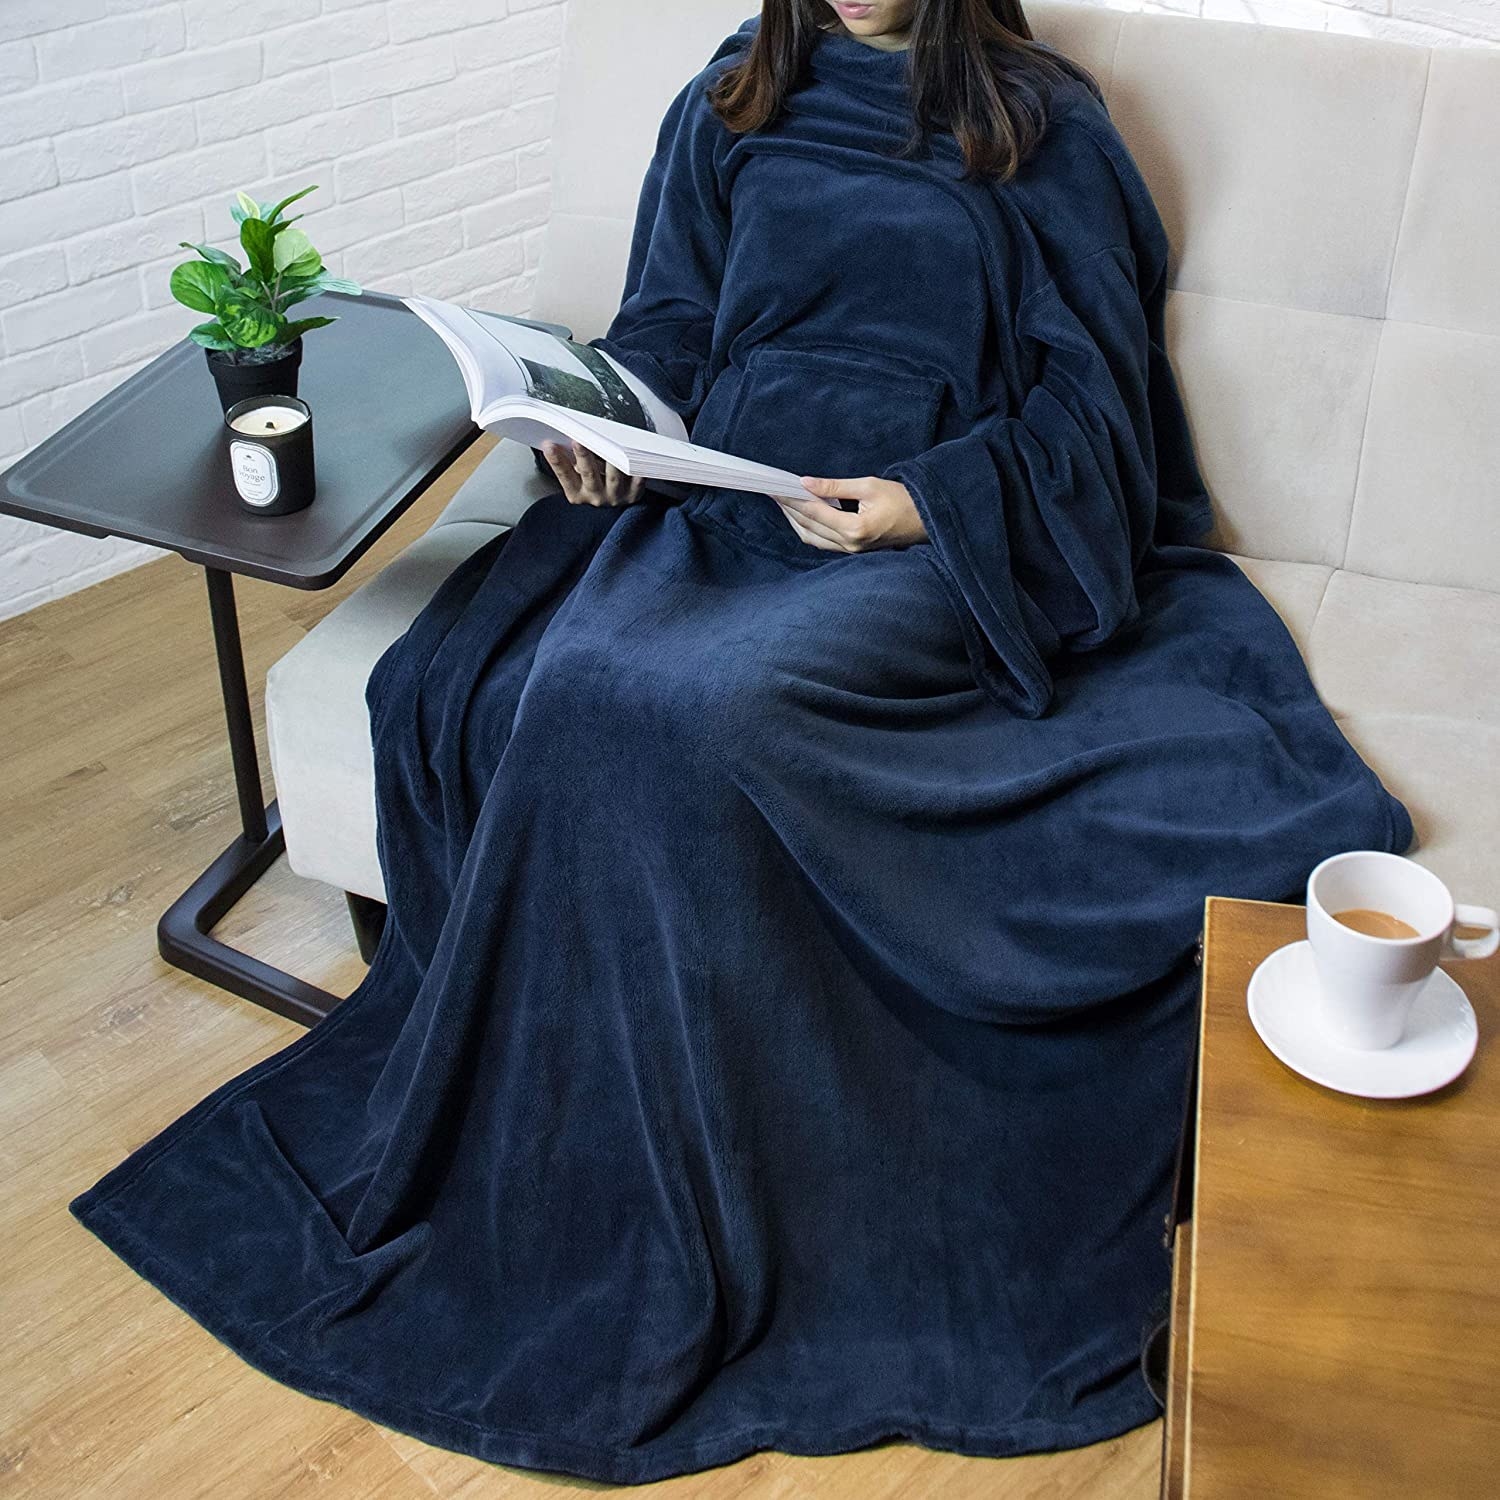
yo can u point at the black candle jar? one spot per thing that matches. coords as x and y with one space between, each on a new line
270 445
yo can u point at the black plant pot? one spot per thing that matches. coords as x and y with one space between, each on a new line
274 377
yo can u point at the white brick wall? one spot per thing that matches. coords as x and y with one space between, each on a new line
126 124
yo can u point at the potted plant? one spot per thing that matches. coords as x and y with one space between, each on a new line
252 347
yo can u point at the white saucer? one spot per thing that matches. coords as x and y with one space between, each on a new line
1440 1038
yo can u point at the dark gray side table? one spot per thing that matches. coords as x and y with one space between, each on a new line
146 462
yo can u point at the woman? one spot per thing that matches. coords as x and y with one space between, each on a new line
779 1035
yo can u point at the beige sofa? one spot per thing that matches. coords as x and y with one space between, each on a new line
1334 319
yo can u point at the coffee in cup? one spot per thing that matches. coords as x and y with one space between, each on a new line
1378 924
1375 923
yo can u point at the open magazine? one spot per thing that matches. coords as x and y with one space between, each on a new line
531 385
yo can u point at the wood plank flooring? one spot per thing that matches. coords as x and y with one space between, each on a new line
115 791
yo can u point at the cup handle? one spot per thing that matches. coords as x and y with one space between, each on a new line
1480 947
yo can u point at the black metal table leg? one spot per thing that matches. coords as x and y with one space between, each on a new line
236 702
183 933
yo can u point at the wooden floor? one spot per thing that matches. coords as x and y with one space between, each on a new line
115 791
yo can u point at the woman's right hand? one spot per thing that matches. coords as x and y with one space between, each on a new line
587 479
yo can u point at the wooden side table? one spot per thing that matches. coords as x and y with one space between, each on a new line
1336 1289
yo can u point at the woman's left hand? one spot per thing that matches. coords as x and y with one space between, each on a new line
887 515
586 479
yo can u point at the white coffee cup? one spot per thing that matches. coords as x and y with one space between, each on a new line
1368 983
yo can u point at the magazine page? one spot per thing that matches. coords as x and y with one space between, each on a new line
566 358
487 370
634 451
500 358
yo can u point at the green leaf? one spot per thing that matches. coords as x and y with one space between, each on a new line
290 247
290 297
211 336
292 289
244 207
303 325
248 323
210 252
275 212
257 238
295 290
199 284
309 266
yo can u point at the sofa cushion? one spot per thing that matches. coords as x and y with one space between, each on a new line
1445 261
1260 143
1281 468
317 724
1445 774
1424 506
1385 647
1406 669
504 482
1294 590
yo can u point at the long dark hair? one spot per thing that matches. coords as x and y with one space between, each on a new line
976 71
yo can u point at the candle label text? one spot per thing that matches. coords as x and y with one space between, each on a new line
255 475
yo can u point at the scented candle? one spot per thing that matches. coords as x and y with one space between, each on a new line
270 443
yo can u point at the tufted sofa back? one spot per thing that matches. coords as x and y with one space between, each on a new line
1333 207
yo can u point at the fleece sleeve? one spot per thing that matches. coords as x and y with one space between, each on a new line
663 331
1040 515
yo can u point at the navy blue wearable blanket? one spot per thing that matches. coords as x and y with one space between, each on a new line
780 1033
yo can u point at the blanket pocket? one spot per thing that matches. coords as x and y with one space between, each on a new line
835 415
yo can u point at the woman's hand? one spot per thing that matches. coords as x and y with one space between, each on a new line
887 515
587 479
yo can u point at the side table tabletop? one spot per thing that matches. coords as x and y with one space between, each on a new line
1336 1285
147 462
